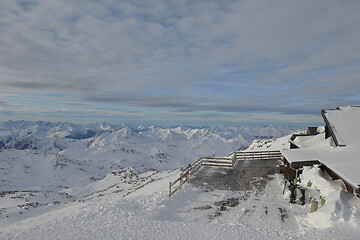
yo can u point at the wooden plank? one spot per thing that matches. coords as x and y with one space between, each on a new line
173 183
257 156
301 164
258 152
265 159
217 164
217 158
219 161
175 190
170 189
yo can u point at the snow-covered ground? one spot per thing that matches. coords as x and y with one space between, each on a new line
140 208
112 183
50 156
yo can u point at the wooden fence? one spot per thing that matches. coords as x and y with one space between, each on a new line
228 161
258 155
204 161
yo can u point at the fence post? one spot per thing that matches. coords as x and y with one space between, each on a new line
181 181
187 175
170 189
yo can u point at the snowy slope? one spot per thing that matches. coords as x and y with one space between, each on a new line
138 207
47 155
40 160
105 187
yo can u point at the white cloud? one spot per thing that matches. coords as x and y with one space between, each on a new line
152 53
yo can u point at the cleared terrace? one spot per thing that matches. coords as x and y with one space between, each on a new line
238 171
244 175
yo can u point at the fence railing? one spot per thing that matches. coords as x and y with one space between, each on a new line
258 155
191 169
228 161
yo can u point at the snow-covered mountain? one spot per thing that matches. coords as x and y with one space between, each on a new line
33 135
53 155
103 181
40 160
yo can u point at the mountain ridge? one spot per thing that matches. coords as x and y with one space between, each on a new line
31 130
56 155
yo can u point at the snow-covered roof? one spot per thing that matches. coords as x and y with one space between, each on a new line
344 161
307 140
344 123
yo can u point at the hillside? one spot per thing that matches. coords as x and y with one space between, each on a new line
62 181
46 154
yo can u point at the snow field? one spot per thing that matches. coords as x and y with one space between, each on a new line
86 197
147 212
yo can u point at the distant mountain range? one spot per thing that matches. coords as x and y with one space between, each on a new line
23 135
46 164
56 155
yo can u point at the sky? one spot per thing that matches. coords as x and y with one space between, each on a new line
189 63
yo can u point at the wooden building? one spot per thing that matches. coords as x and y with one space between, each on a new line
335 147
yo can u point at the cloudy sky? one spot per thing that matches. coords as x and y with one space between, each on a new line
178 62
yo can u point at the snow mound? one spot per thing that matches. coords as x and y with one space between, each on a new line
339 206
270 144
